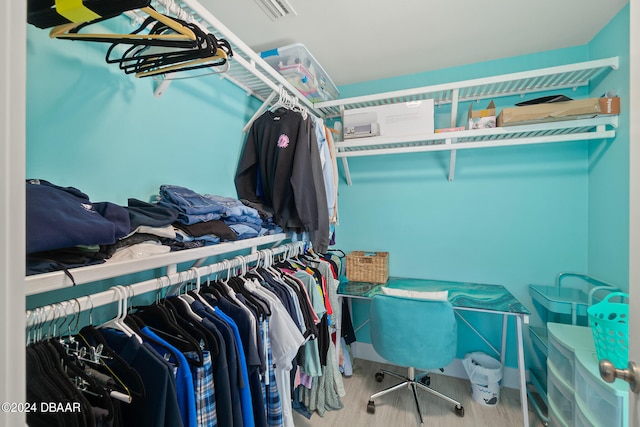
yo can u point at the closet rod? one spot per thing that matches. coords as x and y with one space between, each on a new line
51 312
39 283
259 111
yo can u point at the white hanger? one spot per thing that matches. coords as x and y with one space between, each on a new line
289 102
118 321
201 298
270 259
187 300
255 270
114 323
126 290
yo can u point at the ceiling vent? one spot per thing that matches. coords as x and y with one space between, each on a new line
276 9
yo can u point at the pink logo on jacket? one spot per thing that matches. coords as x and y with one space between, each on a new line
283 141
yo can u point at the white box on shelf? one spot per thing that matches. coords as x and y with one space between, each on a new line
392 120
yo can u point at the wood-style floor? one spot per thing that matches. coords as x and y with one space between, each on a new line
397 409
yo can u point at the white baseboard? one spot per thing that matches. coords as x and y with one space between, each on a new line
510 376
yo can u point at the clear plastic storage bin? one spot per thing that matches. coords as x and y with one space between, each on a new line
300 68
598 399
581 419
561 398
561 359
554 418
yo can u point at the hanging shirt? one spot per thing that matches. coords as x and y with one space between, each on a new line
272 398
184 380
160 407
247 331
326 162
231 351
245 391
204 388
224 403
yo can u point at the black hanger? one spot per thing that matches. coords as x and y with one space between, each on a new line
261 310
199 331
340 253
161 321
136 324
91 336
46 384
141 58
212 289
96 393
286 264
234 284
174 48
261 306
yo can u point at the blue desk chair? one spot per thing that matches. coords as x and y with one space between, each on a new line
416 333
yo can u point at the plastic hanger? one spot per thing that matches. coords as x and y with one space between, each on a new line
162 321
145 57
269 263
219 288
118 321
186 300
289 102
190 320
238 283
218 60
178 308
181 32
196 294
212 288
90 336
87 384
50 367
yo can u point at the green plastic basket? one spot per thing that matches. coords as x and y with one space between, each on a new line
610 328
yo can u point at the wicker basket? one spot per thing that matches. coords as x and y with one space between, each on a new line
372 267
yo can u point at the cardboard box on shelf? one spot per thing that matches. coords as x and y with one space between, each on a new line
556 111
482 119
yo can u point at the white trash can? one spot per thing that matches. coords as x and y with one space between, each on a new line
485 374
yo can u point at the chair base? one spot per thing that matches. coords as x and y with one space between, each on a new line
414 384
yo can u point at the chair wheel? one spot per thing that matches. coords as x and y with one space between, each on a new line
459 411
426 380
379 376
371 407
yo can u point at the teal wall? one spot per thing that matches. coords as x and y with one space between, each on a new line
608 231
469 71
512 216
91 126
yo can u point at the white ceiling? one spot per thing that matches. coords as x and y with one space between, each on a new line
361 40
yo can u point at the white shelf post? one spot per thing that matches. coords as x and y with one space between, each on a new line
454 114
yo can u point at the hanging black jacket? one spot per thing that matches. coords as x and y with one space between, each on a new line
280 167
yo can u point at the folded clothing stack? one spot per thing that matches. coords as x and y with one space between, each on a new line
65 229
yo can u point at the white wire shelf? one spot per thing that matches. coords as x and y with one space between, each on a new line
521 83
46 282
562 131
248 70
540 80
